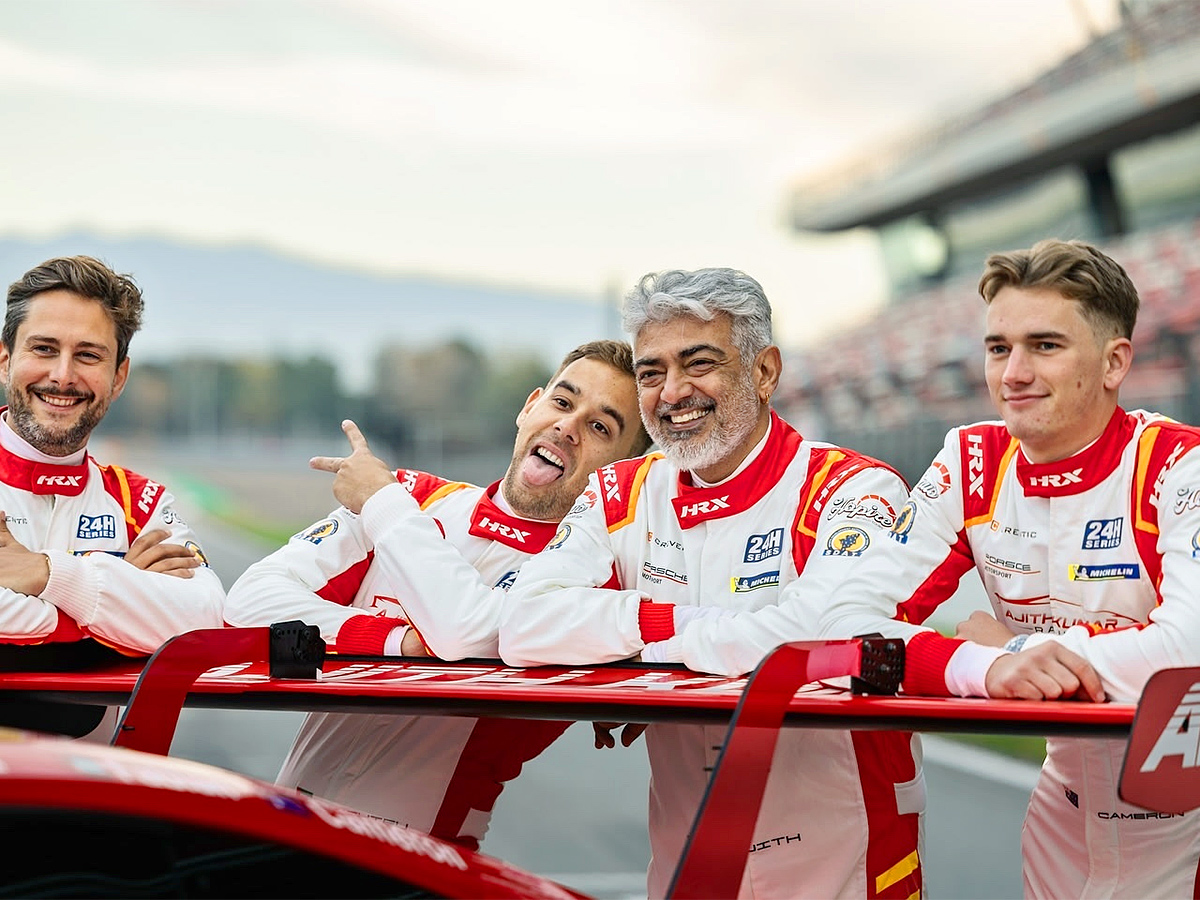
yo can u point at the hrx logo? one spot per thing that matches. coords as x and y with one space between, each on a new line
1058 479
71 481
500 528
975 463
704 507
612 489
146 502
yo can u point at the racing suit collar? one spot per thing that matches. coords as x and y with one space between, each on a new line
37 477
491 522
694 504
1082 471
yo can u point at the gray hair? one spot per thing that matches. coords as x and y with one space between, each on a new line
703 294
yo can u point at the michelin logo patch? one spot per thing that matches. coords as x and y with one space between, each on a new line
847 541
754 582
764 546
1114 572
1103 534
93 528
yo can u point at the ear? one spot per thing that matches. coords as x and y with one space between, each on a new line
532 399
1118 357
119 379
768 366
5 359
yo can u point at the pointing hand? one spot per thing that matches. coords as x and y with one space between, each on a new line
359 475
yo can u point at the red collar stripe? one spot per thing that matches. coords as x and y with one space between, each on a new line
1085 469
694 505
489 521
43 478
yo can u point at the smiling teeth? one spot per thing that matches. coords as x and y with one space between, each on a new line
550 457
688 416
59 401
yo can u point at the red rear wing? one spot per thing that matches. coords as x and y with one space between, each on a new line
232 668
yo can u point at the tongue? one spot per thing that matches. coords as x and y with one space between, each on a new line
537 471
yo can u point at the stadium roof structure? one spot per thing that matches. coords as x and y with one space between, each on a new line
1140 80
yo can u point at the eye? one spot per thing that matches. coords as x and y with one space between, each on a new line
1046 346
44 349
561 402
995 349
700 366
602 428
649 377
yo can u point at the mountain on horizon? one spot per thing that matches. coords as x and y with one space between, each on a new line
239 300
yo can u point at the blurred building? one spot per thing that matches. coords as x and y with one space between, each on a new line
1104 147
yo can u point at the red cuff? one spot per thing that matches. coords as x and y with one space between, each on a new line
365 635
656 621
925 659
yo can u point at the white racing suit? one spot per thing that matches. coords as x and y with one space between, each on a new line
84 517
360 579
841 816
1100 552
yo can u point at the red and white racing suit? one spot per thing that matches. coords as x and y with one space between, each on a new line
1100 552
841 816
84 516
360 578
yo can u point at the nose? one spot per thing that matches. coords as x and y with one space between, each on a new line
676 387
1016 367
62 370
570 425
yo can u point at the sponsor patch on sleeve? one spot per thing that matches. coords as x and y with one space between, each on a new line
560 537
847 541
904 523
319 532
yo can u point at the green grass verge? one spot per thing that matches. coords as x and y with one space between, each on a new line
220 505
1024 747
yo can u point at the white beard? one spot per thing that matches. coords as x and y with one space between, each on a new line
733 420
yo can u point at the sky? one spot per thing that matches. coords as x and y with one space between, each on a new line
564 144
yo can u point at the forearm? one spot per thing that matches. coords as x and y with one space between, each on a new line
267 593
444 597
128 607
545 621
30 620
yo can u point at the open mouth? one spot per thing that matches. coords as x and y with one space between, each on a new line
542 466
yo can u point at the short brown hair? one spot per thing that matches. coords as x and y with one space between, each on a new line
87 277
1075 270
619 355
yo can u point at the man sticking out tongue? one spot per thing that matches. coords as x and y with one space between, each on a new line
366 577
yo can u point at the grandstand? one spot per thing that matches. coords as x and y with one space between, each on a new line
1104 147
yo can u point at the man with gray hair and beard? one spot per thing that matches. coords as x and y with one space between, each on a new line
737 508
